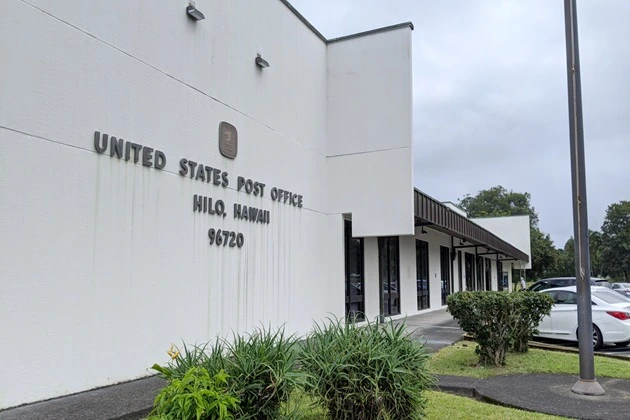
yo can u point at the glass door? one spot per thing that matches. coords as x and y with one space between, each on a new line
355 302
470 263
445 272
422 274
389 273
459 270
488 273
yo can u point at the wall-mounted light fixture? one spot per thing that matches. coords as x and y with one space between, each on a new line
261 62
193 12
462 242
423 232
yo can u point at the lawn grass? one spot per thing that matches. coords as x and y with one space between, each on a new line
440 406
452 407
460 360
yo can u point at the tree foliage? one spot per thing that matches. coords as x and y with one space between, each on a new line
565 258
609 249
498 201
615 240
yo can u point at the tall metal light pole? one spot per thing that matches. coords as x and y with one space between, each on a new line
587 384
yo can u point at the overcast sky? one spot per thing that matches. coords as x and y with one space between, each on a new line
490 96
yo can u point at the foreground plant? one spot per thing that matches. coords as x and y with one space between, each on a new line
366 372
197 395
182 360
489 318
260 367
499 321
529 308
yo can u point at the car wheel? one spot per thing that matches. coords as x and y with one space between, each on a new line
598 340
622 344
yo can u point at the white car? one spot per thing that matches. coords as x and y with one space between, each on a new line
611 316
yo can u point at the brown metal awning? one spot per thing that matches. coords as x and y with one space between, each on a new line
430 212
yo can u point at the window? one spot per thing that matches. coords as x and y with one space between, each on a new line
459 270
389 271
539 286
564 297
610 297
561 283
470 263
355 303
445 272
422 274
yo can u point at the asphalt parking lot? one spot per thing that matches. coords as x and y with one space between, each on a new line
607 349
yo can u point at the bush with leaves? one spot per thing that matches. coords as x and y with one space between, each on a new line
196 395
528 309
366 372
261 369
489 318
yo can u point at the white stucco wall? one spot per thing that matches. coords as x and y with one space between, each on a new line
512 229
369 141
104 262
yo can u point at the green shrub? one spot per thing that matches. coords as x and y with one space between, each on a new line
366 372
488 317
529 308
261 369
196 395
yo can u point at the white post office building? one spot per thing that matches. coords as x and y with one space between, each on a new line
173 172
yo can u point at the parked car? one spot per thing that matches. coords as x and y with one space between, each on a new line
611 316
603 283
557 282
623 288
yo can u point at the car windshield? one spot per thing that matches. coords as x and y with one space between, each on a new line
624 285
610 297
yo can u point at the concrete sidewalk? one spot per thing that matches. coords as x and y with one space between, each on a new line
544 393
127 401
436 329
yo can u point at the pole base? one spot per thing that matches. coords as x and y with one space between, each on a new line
588 387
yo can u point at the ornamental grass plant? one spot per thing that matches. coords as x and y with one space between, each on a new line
260 369
365 372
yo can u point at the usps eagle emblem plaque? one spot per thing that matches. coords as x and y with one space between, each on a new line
228 140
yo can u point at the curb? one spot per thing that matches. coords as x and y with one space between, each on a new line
554 347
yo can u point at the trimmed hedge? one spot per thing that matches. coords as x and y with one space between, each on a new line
499 321
529 308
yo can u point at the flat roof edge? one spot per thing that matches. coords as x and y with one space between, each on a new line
345 37
304 20
373 31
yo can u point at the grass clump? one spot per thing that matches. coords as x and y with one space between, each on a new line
366 372
260 369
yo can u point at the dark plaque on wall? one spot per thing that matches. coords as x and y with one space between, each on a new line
228 140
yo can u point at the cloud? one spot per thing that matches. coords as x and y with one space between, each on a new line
490 96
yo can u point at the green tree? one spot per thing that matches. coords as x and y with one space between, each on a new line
498 201
615 241
566 256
